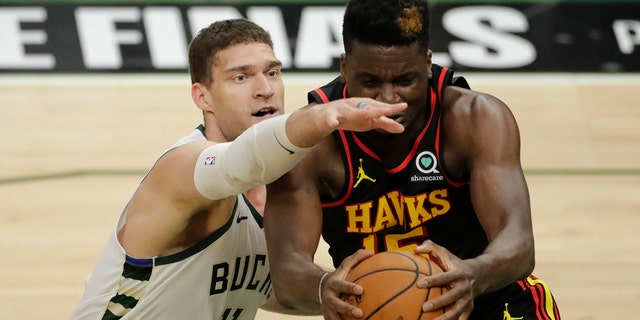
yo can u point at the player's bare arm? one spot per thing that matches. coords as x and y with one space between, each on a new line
293 225
488 144
293 236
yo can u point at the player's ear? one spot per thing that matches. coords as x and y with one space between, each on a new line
429 62
200 96
343 67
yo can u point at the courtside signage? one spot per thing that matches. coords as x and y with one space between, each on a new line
121 38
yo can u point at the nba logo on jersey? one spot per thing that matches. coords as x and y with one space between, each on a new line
210 160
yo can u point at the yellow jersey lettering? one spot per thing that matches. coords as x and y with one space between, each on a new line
416 210
359 214
369 243
397 241
398 205
394 209
385 217
440 201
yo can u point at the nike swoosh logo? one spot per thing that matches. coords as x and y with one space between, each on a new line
240 218
283 147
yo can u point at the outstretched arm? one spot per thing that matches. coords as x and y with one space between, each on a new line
204 171
272 147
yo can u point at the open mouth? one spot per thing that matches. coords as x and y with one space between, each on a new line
265 112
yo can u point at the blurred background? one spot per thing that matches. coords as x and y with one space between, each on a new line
91 92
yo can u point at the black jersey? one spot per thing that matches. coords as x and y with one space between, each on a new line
390 208
382 208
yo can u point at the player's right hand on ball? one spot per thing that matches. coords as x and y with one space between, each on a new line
458 277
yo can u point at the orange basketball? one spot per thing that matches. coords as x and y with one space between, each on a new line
390 280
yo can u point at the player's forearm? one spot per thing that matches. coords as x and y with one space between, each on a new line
293 227
506 259
307 126
258 156
273 305
296 281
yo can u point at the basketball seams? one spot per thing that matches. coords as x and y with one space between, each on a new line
417 273
394 274
397 294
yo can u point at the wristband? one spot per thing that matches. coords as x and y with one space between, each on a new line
320 287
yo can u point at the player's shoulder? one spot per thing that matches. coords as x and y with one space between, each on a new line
177 164
458 100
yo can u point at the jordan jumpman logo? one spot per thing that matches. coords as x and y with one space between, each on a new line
508 316
361 175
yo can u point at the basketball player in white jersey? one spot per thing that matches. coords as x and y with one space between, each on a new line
190 243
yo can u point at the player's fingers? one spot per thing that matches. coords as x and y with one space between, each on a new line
390 125
465 315
363 114
440 255
366 108
348 310
429 247
335 298
379 110
351 261
437 280
344 308
342 287
439 303
330 314
459 310
377 106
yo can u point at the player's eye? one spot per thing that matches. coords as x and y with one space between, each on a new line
369 83
273 73
404 82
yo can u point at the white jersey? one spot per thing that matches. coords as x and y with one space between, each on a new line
224 276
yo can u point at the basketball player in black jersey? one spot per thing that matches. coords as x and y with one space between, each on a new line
451 185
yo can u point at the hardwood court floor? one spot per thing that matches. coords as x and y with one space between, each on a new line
73 150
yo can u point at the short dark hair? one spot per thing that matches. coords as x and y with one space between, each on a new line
387 23
219 36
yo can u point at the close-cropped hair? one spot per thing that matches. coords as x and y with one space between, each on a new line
386 23
219 36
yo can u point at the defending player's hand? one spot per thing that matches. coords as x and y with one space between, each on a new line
363 114
310 124
458 276
334 286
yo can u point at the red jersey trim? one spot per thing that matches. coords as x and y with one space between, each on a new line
546 308
346 195
454 184
414 148
443 74
322 95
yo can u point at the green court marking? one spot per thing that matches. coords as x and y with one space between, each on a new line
582 172
141 172
72 174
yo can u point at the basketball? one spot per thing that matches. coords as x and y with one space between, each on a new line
390 280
